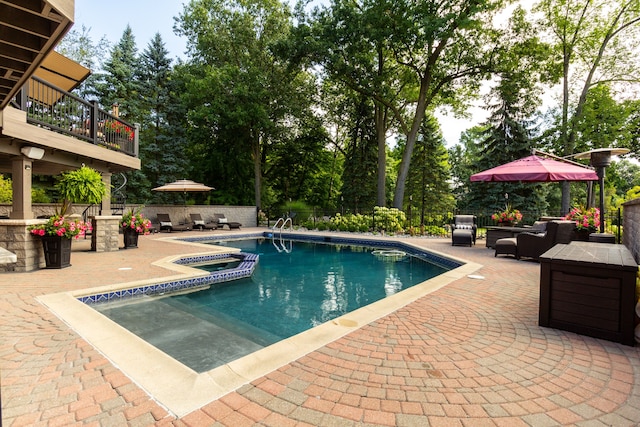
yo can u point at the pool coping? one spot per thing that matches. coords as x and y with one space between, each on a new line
180 389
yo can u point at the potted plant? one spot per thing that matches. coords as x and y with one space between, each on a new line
133 224
82 185
587 221
508 217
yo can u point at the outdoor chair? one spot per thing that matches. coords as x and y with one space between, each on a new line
533 244
463 230
222 221
201 224
167 225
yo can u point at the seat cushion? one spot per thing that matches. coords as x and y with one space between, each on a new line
462 237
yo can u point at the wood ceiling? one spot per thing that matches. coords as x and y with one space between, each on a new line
29 29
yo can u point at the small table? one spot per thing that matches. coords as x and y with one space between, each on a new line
589 288
496 233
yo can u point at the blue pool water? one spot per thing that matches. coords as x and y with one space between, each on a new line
296 286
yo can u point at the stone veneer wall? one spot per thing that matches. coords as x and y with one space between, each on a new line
15 238
631 221
245 215
104 237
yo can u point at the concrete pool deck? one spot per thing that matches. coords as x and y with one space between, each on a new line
469 353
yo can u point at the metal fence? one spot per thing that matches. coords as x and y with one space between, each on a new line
430 221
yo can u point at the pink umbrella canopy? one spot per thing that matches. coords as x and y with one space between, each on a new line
536 169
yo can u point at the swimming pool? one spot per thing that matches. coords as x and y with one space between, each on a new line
297 285
181 389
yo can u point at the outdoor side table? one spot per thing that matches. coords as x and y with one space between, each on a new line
589 288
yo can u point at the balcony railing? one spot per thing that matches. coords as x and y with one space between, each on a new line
52 108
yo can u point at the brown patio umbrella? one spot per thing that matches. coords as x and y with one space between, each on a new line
184 186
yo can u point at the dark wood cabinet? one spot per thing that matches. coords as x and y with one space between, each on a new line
589 288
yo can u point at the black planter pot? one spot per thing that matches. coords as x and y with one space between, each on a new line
130 238
57 251
581 235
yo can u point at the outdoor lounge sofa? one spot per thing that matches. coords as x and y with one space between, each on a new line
463 230
167 225
532 244
222 221
199 223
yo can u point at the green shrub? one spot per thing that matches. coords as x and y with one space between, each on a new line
351 222
391 220
6 190
434 230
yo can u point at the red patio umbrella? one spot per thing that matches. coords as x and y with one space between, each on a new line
536 169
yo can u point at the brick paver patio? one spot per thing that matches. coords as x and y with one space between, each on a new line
469 354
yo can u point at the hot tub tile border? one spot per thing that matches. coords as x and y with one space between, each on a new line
244 269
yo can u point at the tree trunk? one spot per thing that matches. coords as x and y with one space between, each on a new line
257 171
403 171
381 134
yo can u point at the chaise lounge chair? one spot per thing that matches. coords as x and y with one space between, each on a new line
167 225
200 224
222 221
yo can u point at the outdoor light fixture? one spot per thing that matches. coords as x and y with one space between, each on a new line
600 158
34 153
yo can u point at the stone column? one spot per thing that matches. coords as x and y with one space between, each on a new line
105 235
27 249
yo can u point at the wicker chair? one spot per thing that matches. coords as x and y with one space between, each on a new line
532 245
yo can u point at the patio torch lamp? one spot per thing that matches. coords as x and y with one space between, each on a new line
600 158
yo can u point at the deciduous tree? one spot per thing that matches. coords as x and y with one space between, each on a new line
595 42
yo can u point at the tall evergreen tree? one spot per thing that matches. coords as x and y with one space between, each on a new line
299 168
162 150
508 137
119 84
359 188
428 182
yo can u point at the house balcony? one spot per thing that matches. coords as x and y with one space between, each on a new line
59 111
70 130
